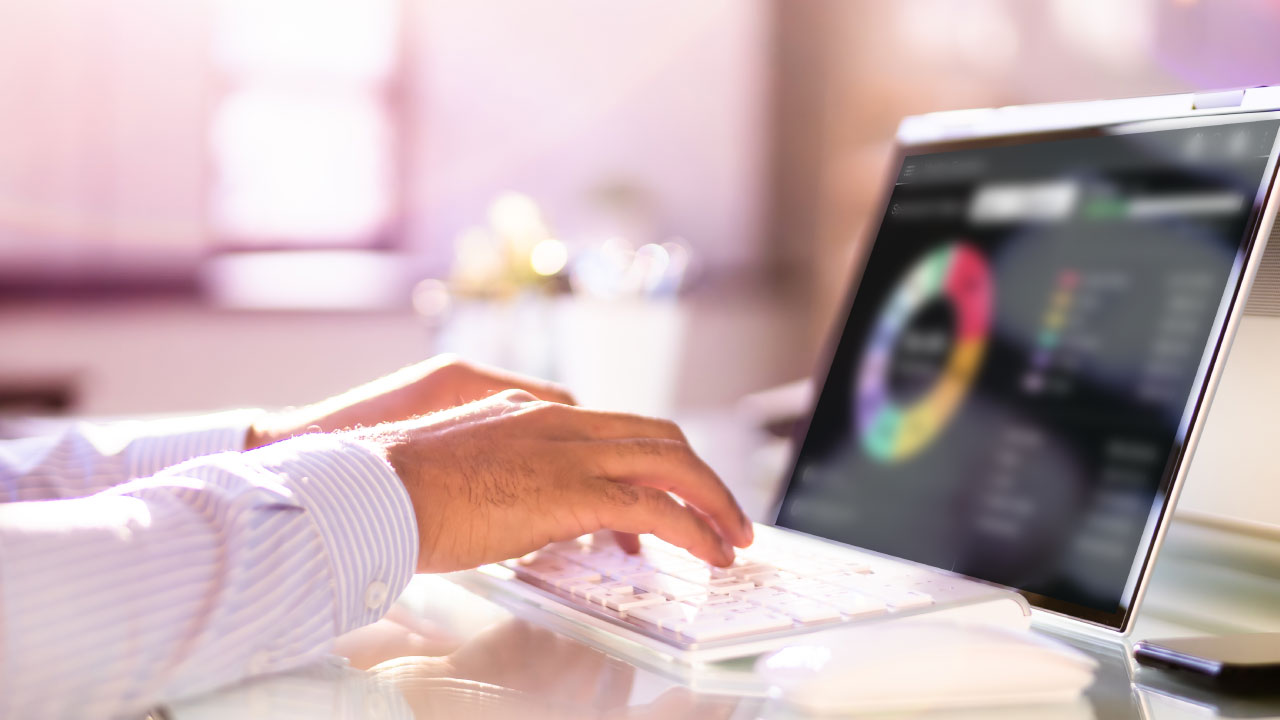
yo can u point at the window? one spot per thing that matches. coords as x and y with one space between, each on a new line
303 131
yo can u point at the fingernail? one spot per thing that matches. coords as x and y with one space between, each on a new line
727 549
748 528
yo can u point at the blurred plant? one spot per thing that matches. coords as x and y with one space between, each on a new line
627 260
515 252
616 270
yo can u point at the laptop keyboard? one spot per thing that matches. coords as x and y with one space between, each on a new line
665 588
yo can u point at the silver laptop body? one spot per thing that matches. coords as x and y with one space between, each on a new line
1042 276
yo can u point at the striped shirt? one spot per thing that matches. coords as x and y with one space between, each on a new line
141 562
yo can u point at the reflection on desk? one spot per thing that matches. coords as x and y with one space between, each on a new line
509 667
446 653
513 669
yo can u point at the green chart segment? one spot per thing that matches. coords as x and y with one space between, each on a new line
957 274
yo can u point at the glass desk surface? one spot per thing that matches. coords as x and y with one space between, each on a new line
444 652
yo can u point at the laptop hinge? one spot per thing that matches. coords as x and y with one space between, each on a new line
1229 98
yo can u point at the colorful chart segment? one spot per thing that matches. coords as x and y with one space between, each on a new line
1050 336
958 274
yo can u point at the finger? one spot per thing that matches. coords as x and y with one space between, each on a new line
604 425
672 466
506 402
513 396
638 509
473 382
629 542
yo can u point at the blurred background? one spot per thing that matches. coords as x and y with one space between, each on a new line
220 203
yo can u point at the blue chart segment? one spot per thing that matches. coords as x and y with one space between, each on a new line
958 275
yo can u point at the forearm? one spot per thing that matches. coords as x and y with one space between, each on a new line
223 567
84 458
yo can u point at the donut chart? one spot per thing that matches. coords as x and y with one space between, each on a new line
958 275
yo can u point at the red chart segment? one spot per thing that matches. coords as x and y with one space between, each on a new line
968 286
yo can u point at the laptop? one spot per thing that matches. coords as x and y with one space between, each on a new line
1010 400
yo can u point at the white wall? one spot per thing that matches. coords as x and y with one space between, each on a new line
554 97
1236 469
102 133
104 119
160 357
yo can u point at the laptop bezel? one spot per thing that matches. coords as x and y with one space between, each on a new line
1038 128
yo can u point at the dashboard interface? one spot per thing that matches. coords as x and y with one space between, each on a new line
1014 381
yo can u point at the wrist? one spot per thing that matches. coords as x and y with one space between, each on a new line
384 441
262 432
254 437
274 427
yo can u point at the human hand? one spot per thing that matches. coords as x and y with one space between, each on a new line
440 383
503 476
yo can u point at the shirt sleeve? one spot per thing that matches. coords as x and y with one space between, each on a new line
85 458
218 568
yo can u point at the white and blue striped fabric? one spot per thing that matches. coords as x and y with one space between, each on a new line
143 562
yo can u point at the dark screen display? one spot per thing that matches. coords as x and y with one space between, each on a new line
1007 398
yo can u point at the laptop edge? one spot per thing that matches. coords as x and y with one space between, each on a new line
963 127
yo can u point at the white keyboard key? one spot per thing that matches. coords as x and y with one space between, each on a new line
570 550
724 586
615 564
905 599
805 610
846 578
721 613
690 614
713 599
683 562
626 572
580 590
557 572
618 587
698 573
537 562
658 613
585 559
855 604
726 607
809 587
608 590
596 595
762 591
567 580
803 569
714 628
666 585
742 571
761 596
624 603
895 596
768 578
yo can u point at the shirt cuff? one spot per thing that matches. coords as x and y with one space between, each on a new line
362 512
157 444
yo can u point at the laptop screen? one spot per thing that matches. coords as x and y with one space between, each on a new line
1024 352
